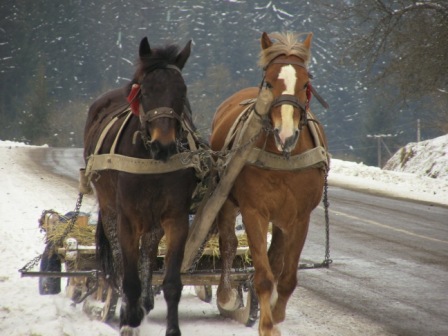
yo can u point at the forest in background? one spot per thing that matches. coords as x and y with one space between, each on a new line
380 64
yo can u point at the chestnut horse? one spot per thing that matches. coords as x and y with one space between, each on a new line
142 122
285 195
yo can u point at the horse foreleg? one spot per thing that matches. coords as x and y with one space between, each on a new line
132 312
147 264
277 263
290 249
176 232
227 296
265 287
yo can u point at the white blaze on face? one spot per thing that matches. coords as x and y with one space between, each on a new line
287 129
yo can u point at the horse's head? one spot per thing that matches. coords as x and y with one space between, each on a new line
286 74
158 97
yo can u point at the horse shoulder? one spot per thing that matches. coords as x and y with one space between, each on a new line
227 113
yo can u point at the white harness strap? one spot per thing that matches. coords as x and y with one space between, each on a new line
315 157
141 166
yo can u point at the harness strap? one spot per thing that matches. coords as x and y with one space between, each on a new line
235 130
114 145
316 157
315 132
159 112
106 129
111 160
319 97
288 99
141 166
284 61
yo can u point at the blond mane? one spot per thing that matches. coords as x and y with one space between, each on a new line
284 44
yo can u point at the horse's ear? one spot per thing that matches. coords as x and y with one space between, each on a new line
307 42
145 49
265 41
183 55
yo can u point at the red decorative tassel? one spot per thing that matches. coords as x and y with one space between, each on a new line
133 99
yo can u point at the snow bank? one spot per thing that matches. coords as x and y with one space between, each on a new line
425 158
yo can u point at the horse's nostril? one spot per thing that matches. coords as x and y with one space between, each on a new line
276 132
162 152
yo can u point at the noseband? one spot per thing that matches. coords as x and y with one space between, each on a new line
159 112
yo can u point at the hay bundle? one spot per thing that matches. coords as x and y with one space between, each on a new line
85 235
212 246
56 227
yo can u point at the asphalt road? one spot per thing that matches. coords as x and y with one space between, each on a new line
389 274
389 263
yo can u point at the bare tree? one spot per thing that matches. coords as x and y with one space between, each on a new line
404 44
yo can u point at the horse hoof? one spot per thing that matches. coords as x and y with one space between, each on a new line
173 332
273 332
131 317
233 303
129 331
276 332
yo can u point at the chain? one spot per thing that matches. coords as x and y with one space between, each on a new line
73 220
33 262
327 260
30 264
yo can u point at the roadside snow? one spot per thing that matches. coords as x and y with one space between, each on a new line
425 158
422 176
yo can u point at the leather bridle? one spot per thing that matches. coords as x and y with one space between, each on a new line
287 99
158 112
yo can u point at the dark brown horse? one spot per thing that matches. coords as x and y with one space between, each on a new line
284 193
145 120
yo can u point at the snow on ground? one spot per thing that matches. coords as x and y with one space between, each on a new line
414 177
26 192
428 158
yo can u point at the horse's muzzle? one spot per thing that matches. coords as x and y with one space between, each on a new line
162 152
288 144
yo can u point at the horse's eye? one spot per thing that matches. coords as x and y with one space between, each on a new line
268 85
